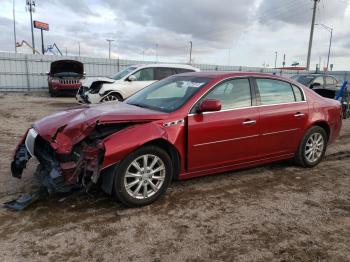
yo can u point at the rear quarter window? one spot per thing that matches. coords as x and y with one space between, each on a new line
299 96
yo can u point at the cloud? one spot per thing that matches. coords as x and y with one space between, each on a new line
298 12
252 30
204 20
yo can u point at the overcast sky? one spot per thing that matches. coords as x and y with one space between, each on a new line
225 32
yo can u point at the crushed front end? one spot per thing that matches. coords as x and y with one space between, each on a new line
59 172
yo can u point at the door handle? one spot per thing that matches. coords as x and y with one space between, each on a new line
249 122
299 114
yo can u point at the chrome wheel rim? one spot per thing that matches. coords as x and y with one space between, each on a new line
314 147
145 176
109 98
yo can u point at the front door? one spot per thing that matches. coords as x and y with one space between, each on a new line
226 137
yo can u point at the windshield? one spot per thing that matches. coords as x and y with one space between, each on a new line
303 79
123 73
169 94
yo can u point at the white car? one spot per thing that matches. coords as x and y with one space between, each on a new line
127 82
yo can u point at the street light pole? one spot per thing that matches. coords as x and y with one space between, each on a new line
276 59
330 30
31 9
157 53
14 25
191 46
109 47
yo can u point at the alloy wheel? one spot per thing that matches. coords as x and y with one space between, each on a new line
109 98
314 147
145 176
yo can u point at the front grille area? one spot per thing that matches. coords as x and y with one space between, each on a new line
69 81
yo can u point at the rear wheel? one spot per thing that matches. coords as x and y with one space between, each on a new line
312 147
112 97
143 176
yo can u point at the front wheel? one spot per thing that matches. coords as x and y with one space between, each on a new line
112 97
312 147
143 176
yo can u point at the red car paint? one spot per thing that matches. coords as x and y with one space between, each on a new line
206 143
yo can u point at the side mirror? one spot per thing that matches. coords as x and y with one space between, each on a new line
315 85
131 78
209 105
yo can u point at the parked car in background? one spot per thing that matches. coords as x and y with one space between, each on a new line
327 86
127 82
65 77
184 126
324 85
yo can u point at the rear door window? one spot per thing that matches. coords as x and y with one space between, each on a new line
319 80
274 91
330 80
164 72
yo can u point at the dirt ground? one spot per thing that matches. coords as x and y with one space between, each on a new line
277 212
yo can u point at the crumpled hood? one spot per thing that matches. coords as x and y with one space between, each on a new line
67 128
89 80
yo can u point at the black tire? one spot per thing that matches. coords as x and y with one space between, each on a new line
300 157
116 97
53 93
120 192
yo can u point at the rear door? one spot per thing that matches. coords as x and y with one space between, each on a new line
226 137
283 116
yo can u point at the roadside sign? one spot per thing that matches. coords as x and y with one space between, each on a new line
41 25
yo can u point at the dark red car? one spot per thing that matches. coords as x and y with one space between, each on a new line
184 126
65 77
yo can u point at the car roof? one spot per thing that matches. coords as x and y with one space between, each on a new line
224 74
314 75
168 65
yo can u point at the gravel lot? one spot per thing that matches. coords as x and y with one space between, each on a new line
277 212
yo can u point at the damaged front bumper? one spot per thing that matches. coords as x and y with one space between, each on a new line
59 173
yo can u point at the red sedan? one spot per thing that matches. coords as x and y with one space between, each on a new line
184 126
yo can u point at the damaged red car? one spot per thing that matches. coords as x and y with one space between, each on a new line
184 126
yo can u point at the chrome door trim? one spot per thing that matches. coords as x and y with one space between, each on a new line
226 140
280 132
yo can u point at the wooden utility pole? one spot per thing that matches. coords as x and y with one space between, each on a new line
311 34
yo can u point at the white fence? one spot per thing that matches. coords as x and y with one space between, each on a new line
26 72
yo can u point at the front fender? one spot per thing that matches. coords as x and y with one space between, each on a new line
120 144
